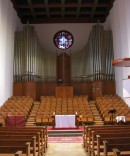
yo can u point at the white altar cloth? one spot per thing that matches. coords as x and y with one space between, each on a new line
64 121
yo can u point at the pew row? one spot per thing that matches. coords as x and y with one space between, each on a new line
26 134
91 136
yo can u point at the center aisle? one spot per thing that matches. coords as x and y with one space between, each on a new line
65 149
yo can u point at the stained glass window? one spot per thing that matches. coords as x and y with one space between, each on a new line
63 39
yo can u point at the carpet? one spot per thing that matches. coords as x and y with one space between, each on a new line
68 128
65 139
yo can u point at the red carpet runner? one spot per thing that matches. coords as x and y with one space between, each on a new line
65 140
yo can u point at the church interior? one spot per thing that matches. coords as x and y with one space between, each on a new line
64 77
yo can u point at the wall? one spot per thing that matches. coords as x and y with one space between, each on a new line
38 89
120 24
8 24
80 32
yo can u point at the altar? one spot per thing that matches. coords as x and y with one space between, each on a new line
64 121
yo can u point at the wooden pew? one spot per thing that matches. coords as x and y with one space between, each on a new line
6 141
18 153
87 130
98 136
115 139
106 136
42 130
31 134
121 153
9 150
91 139
109 146
92 136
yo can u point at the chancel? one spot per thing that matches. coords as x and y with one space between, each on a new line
64 76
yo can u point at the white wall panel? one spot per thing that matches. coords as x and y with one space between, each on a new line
8 24
119 23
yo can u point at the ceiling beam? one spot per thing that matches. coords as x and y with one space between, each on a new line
55 5
65 20
94 8
61 12
68 13
47 8
63 8
78 8
31 8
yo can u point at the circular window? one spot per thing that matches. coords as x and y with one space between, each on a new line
63 39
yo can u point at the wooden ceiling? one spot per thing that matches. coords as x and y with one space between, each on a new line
62 11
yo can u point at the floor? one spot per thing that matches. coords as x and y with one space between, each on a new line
65 149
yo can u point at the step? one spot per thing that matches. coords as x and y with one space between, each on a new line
96 114
32 115
93 106
92 101
30 120
33 111
59 133
97 118
36 102
27 123
101 124
94 109
98 121
95 122
30 125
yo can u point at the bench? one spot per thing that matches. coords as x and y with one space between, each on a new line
19 142
10 150
92 137
43 131
109 146
117 152
31 134
91 128
89 140
116 140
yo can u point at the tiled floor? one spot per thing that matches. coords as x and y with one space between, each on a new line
65 149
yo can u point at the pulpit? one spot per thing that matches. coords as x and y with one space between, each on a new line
112 115
64 91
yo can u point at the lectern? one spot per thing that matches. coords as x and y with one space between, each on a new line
112 117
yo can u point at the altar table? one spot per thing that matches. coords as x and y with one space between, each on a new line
64 121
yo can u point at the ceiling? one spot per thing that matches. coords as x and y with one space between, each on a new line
50 16
62 11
